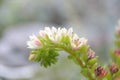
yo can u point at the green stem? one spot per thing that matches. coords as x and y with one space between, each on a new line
82 65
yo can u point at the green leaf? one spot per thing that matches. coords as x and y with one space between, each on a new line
109 77
84 49
46 56
117 36
49 58
48 41
118 73
84 71
117 43
76 62
42 40
118 60
85 57
112 54
94 67
65 41
70 57
34 52
38 57
91 62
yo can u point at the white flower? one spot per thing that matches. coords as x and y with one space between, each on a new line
70 32
56 35
53 34
77 42
63 32
34 42
42 34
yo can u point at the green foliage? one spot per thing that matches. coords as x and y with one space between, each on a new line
91 62
118 60
65 42
70 57
117 43
109 77
47 54
84 49
117 35
112 55
84 71
46 57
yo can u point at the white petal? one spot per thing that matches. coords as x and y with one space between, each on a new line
83 40
63 31
54 29
42 33
75 37
47 30
70 32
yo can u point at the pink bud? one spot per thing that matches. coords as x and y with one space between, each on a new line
117 52
37 43
100 72
113 68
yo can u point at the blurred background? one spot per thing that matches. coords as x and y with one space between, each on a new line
93 19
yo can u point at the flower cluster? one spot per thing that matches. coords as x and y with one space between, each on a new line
50 41
56 36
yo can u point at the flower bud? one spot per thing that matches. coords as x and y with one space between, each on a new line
117 52
113 68
118 30
100 72
91 54
32 57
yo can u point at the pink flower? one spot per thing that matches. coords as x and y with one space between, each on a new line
34 42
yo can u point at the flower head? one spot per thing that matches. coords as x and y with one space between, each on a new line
55 36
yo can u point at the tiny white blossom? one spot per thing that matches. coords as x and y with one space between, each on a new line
63 32
34 42
42 33
54 30
77 42
55 36
70 32
52 33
